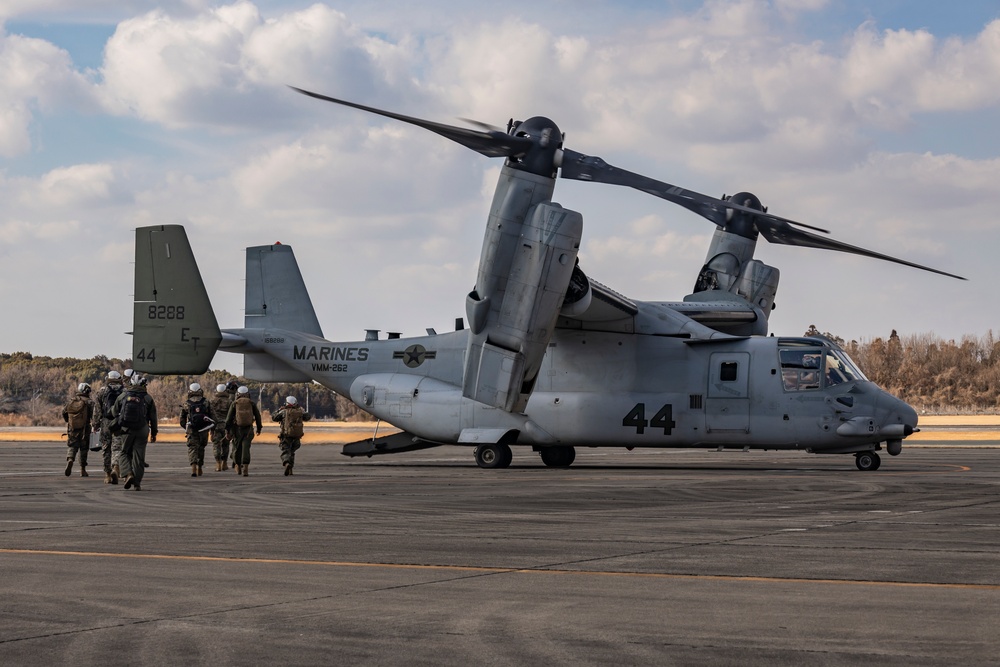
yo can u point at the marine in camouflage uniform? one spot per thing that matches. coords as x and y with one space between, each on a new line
197 435
220 439
289 443
242 435
104 403
133 456
78 437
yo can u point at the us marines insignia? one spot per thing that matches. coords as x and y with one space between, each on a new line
414 355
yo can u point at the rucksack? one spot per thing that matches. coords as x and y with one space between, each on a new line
133 412
196 416
111 394
76 413
244 411
293 422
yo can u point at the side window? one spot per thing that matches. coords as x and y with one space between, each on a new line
800 369
729 371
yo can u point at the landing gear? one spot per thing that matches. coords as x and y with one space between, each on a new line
493 456
558 457
867 460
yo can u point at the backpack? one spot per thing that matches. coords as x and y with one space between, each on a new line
293 422
76 413
133 412
111 394
244 411
196 416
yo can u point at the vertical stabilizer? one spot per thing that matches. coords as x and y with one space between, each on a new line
276 296
174 327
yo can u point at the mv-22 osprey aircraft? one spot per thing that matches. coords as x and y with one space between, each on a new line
551 359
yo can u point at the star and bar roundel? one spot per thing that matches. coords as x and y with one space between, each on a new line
414 355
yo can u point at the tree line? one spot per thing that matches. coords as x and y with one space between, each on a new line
931 374
33 390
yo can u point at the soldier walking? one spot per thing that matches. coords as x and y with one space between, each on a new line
78 415
291 417
135 416
243 413
197 420
220 439
103 405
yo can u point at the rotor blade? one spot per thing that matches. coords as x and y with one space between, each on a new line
491 144
773 228
578 166
787 235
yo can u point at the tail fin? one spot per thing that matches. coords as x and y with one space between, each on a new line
276 298
174 327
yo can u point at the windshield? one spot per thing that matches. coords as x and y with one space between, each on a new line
811 367
840 368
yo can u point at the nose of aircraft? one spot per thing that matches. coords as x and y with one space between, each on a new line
898 420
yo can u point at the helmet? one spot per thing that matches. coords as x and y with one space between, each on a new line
242 391
138 380
195 387
114 375
83 388
129 372
220 388
291 400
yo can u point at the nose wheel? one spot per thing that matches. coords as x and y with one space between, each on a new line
867 460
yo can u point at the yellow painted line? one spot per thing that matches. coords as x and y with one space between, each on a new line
505 570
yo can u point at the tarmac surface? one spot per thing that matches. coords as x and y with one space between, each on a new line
643 557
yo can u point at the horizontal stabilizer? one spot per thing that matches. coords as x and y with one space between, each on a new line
390 444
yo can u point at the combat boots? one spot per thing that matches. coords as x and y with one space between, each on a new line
199 470
288 468
116 474
83 471
238 468
194 469
225 464
69 467
218 466
107 477
246 469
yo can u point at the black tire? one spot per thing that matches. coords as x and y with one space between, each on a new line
558 457
867 461
493 456
508 456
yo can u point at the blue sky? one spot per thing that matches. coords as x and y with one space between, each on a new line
876 120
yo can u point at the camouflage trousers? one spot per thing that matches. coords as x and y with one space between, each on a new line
196 442
78 440
288 447
220 442
111 445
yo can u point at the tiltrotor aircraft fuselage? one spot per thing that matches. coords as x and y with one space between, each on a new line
551 359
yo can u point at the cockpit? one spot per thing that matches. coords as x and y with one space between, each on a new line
809 364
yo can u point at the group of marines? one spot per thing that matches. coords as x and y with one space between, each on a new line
124 414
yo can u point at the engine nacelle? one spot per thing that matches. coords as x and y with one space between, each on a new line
523 285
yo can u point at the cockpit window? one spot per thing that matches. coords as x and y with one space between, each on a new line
800 368
806 368
839 368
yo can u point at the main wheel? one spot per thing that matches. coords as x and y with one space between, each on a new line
867 461
493 456
558 457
